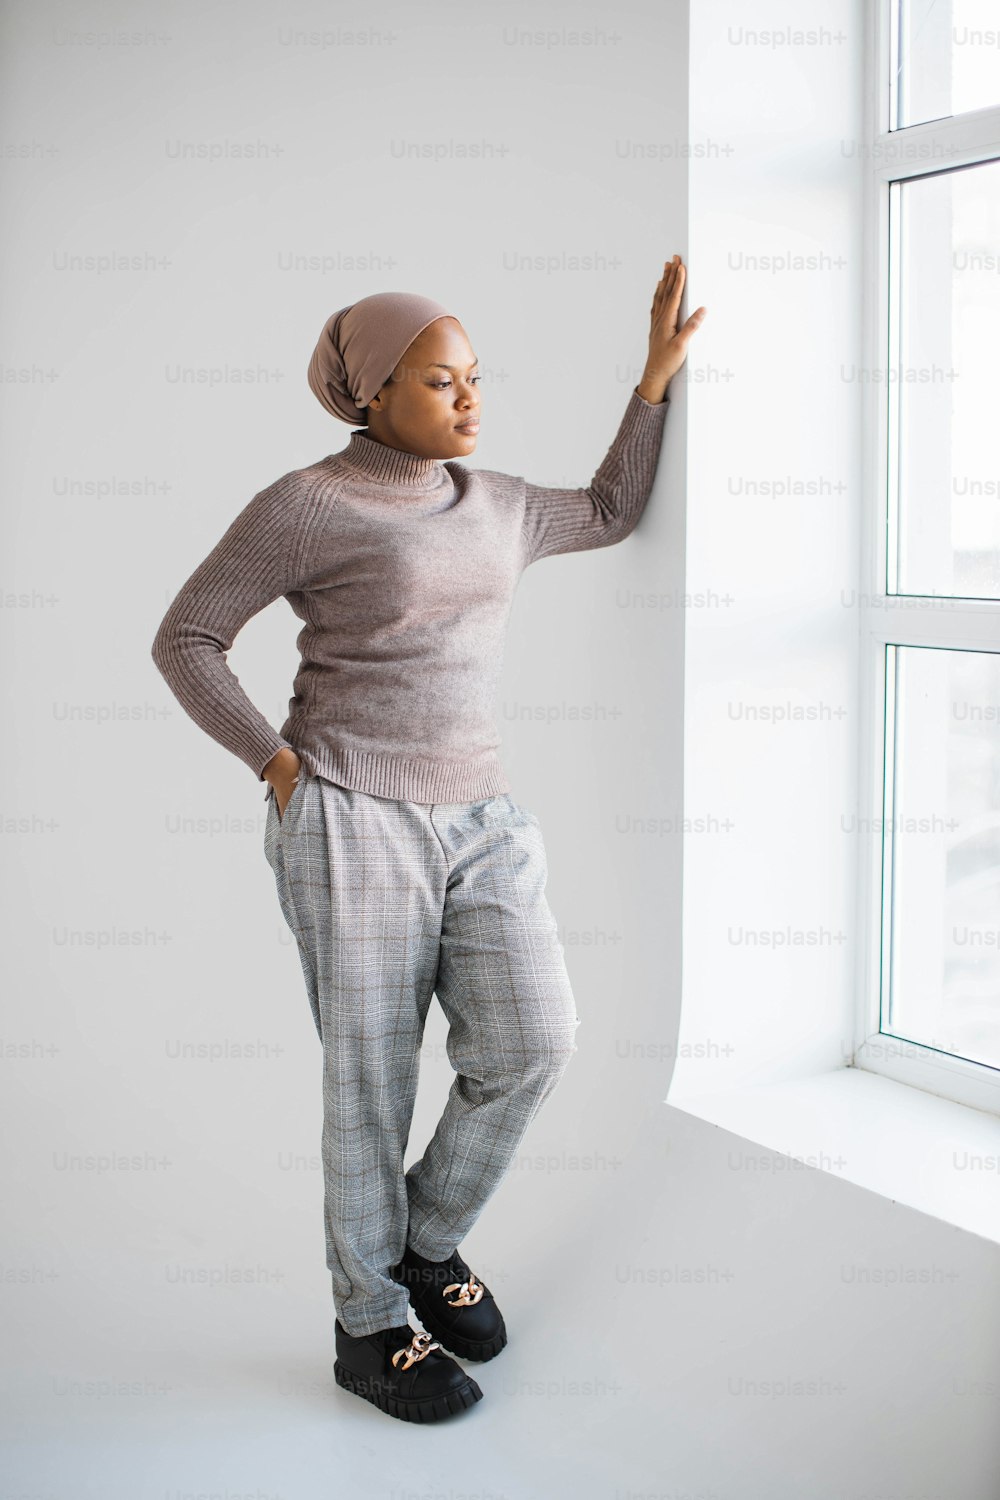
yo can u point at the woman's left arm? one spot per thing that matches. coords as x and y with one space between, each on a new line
573 520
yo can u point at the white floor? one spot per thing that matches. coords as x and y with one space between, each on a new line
681 1326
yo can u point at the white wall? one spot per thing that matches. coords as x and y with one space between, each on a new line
125 476
643 1277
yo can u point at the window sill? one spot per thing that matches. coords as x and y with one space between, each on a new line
910 1146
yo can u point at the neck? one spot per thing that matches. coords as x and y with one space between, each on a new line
387 465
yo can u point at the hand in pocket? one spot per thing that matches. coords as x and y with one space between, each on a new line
283 797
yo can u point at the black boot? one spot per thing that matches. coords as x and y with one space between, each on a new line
404 1373
454 1306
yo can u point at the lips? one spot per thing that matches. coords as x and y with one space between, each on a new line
467 427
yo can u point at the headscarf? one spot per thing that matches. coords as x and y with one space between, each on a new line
362 344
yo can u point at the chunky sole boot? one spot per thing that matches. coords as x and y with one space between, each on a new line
456 1308
403 1373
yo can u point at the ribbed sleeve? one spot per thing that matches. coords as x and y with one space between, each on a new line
558 520
257 561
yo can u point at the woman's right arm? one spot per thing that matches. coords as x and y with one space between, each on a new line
259 559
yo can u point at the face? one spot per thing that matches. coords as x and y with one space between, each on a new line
431 394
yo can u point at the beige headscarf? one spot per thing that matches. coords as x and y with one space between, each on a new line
362 344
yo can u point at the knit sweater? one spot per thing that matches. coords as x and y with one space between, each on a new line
403 570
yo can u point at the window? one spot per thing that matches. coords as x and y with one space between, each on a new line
930 611
944 59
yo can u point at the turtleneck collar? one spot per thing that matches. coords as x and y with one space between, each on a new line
392 466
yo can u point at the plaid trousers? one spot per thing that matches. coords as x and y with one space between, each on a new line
390 903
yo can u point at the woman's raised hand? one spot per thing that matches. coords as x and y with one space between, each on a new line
668 344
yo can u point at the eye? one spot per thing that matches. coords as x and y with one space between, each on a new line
442 385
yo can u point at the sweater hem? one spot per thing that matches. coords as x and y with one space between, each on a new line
407 779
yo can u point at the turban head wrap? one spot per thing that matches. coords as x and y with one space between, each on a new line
362 344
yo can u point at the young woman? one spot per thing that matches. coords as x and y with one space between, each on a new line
403 865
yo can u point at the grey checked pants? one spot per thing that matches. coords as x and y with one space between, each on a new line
390 903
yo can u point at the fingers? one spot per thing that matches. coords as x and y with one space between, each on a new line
671 270
667 301
670 287
694 322
675 289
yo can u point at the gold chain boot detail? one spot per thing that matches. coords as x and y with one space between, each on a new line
404 1372
419 1347
454 1305
469 1292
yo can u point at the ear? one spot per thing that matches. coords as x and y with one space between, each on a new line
377 400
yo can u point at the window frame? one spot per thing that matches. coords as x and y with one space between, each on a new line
890 155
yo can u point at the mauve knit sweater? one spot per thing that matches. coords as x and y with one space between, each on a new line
403 569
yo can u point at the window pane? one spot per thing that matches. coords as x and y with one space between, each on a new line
948 58
943 833
946 384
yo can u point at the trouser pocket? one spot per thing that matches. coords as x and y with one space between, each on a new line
272 801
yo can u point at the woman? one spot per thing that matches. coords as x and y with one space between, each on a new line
403 865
